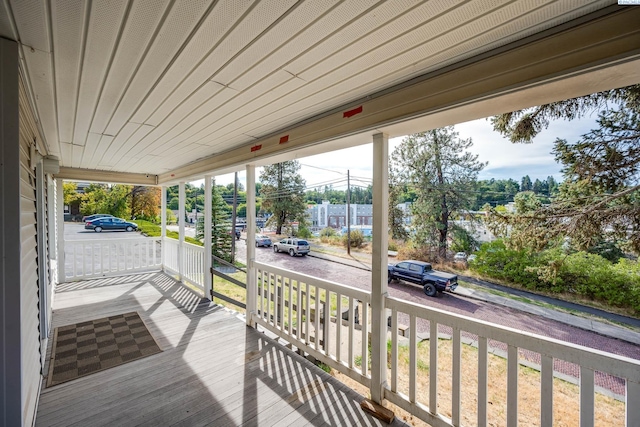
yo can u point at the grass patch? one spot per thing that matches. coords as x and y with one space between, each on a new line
150 229
566 395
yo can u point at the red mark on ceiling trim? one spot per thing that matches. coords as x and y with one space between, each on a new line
256 148
284 139
351 113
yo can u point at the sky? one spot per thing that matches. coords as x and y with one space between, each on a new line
504 159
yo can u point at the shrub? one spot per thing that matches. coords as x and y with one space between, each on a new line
586 274
420 253
328 232
357 239
304 232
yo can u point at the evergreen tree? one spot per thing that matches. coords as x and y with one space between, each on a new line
221 234
523 125
443 174
599 201
282 193
526 184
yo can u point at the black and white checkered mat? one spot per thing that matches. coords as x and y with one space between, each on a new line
95 345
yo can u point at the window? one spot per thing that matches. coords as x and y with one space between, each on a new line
415 267
403 265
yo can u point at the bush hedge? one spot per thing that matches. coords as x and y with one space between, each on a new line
588 275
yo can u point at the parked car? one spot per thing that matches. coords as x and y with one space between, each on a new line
472 258
110 223
293 246
95 216
421 273
262 240
460 257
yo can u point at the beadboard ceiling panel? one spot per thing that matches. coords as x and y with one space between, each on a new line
151 86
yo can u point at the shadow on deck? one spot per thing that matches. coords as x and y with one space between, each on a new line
213 370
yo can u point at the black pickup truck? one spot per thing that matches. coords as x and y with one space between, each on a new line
422 274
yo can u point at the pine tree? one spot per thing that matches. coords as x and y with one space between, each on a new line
221 234
443 174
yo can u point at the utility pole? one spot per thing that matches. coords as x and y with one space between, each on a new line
233 217
348 213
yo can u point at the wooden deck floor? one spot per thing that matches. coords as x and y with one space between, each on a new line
213 370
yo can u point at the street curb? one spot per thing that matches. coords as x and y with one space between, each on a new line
559 316
330 258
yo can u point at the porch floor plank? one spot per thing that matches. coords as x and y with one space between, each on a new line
213 370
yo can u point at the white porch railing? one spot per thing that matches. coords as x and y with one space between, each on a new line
484 335
97 258
193 261
287 305
310 313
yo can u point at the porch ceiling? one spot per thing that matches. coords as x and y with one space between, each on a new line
151 86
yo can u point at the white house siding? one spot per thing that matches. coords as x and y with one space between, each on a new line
29 321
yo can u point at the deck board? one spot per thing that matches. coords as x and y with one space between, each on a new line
213 369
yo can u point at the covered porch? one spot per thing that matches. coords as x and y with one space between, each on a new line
213 369
160 93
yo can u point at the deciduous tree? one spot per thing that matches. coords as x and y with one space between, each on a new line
282 193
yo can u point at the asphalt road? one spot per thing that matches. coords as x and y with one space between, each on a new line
461 305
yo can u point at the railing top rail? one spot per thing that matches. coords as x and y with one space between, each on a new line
345 290
117 240
597 360
224 262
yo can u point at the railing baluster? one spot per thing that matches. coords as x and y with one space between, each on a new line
92 260
546 390
290 301
316 318
307 310
483 368
338 326
269 298
413 358
326 334
261 293
75 261
364 320
456 377
512 386
433 367
394 350
281 305
299 333
351 331
101 260
586 397
632 407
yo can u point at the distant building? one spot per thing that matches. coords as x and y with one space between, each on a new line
335 216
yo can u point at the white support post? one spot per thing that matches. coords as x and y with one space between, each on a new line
379 262
252 288
60 229
181 213
207 235
163 225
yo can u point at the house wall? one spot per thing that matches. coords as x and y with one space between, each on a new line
30 265
10 254
20 355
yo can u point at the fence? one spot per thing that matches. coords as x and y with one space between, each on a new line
308 313
97 258
191 258
320 317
